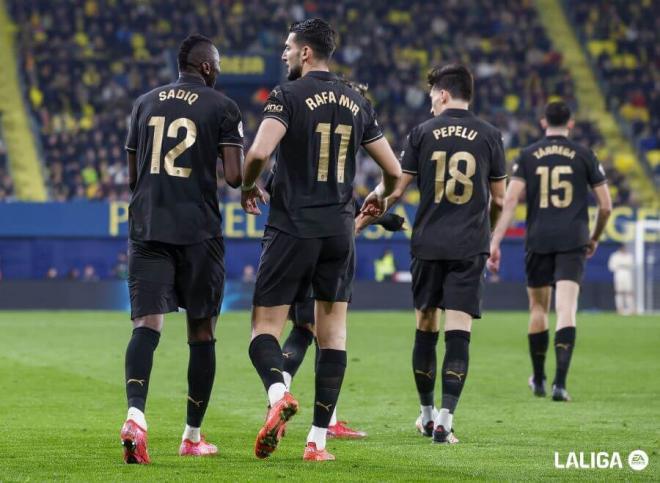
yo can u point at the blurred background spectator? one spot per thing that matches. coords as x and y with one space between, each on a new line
85 61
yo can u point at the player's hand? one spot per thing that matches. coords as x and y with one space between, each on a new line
493 262
591 248
250 200
362 221
374 205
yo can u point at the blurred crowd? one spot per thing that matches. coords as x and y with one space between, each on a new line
622 40
6 183
85 61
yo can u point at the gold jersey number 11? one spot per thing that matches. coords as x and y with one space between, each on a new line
344 130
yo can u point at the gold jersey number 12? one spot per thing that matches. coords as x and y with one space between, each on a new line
158 123
344 130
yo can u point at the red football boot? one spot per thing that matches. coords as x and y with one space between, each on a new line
313 454
134 441
341 431
201 448
272 431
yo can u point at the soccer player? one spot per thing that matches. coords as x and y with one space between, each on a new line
302 334
176 251
458 160
554 175
319 123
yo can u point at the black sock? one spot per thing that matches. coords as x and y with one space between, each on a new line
138 362
538 346
295 347
201 374
425 365
317 354
329 376
564 343
454 367
266 355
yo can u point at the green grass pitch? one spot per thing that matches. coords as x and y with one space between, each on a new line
62 403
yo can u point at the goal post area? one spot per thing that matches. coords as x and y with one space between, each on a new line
646 251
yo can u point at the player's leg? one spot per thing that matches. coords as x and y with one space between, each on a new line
284 276
200 286
151 288
566 301
569 269
424 362
427 280
333 284
540 278
537 335
458 328
299 339
462 293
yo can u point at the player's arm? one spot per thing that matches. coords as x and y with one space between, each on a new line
232 164
132 169
269 135
381 152
604 201
514 192
497 192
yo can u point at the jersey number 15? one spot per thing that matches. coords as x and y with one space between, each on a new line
158 123
550 180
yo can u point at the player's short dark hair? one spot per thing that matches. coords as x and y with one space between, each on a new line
455 79
316 33
557 113
187 45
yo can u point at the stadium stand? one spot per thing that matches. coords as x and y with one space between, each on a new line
621 41
6 183
84 66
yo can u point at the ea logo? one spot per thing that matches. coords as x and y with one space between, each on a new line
638 460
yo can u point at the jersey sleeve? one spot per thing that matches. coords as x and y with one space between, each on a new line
518 171
132 137
231 127
595 171
276 107
372 131
497 159
410 154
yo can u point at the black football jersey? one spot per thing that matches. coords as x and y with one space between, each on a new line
326 123
455 156
175 131
557 173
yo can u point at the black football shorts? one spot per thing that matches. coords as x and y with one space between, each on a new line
449 284
544 269
163 277
289 266
302 313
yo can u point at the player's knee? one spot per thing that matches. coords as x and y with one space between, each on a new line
427 320
153 322
201 330
335 340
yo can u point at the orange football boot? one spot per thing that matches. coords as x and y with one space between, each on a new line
313 454
341 431
201 448
134 440
272 431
